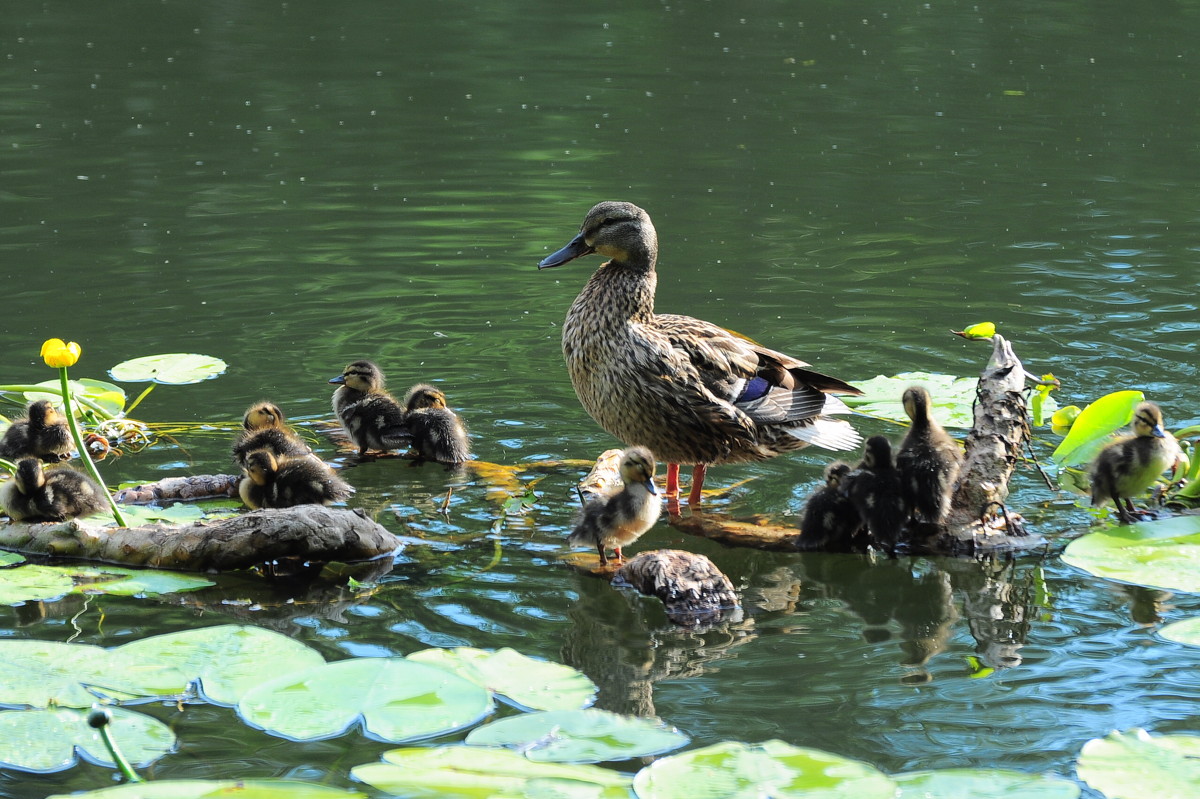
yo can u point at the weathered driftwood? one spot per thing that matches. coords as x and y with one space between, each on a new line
305 532
182 489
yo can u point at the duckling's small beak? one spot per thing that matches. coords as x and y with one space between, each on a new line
338 379
1158 431
650 486
575 248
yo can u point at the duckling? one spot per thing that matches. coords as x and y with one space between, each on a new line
43 433
264 427
368 413
929 460
830 521
284 481
1129 465
875 490
34 495
686 389
437 432
622 518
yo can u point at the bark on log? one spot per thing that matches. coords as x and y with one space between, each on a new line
181 489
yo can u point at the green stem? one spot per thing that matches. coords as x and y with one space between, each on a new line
140 397
83 451
100 718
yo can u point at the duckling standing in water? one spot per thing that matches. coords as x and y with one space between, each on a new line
623 517
34 495
830 522
929 460
437 432
875 490
1129 465
43 433
368 413
264 427
285 481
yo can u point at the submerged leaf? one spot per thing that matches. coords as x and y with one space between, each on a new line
1137 765
1159 554
46 739
528 682
579 736
1095 423
176 368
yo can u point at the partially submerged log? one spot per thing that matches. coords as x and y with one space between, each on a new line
181 489
691 587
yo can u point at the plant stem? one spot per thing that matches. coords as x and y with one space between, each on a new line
100 719
83 452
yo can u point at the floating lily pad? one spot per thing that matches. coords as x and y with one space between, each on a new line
34 583
579 736
735 770
1137 765
43 673
176 368
1183 632
982 783
1094 424
394 699
11 558
528 682
47 739
179 513
216 789
133 582
952 398
458 772
1159 554
108 396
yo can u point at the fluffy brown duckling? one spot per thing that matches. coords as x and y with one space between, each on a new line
875 490
36 495
368 413
437 432
830 521
43 433
285 481
622 518
1129 465
264 427
928 460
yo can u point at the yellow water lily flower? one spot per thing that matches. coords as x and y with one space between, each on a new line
58 353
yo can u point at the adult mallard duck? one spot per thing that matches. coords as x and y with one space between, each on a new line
264 427
368 413
43 433
622 518
688 390
286 481
61 493
437 432
928 460
875 490
1129 465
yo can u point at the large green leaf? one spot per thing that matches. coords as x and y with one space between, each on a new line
579 736
1161 554
735 770
108 396
1183 632
395 699
46 739
227 660
216 789
1137 765
43 673
458 772
528 682
951 398
176 368
32 583
1094 424
132 582
982 783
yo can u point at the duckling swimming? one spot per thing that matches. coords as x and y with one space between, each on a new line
368 413
264 427
830 520
875 490
35 495
623 517
686 389
437 432
43 433
929 460
285 481
1129 465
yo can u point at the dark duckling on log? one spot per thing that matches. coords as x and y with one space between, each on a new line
830 521
43 433
1129 465
686 389
438 434
622 518
286 481
928 460
264 427
875 489
368 413
36 495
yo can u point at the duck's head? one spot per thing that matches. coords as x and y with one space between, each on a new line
878 453
423 395
361 376
261 466
29 476
43 414
621 231
261 415
1148 421
637 467
916 403
834 473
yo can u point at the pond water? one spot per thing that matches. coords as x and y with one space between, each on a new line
292 186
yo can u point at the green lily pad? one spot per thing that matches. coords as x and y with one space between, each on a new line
11 558
458 772
982 783
116 581
528 682
1138 765
1091 428
47 739
1159 554
43 673
395 700
108 396
735 770
179 513
176 368
952 398
34 583
1183 632
216 789
228 660
579 736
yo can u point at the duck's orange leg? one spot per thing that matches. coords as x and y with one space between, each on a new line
697 483
672 480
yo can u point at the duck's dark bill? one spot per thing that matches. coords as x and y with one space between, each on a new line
338 379
573 250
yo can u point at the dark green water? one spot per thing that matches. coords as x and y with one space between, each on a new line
291 186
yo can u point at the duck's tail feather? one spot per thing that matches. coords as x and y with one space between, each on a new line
834 434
